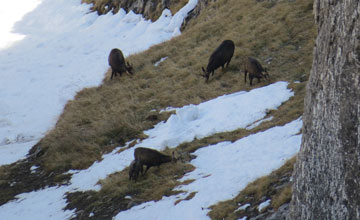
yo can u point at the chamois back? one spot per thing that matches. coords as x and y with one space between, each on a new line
255 70
150 157
117 62
221 56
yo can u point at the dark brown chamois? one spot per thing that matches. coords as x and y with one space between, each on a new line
221 56
150 157
117 63
134 170
255 70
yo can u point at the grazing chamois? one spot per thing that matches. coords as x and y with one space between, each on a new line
117 62
150 157
135 169
221 56
255 70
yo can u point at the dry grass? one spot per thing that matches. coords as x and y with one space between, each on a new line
157 182
103 117
3 181
284 196
163 177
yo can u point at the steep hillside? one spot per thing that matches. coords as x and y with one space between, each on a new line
280 34
120 109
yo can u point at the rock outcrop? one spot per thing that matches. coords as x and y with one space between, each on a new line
150 9
326 178
195 12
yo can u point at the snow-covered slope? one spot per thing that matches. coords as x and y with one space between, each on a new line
218 167
65 50
222 171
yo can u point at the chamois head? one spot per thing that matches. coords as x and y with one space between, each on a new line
129 68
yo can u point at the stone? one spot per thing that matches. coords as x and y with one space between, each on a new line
326 176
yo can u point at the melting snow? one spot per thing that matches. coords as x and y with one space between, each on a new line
264 205
231 165
160 61
243 207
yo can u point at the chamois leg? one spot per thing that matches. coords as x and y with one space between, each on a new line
207 77
227 64
112 74
147 167
251 79
245 75
141 169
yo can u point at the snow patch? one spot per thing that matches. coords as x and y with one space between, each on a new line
263 205
223 114
243 207
42 204
240 162
257 123
33 169
160 61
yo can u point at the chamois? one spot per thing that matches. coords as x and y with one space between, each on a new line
255 70
117 62
221 56
150 157
135 169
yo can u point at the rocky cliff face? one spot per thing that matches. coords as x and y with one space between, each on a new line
150 9
327 173
195 12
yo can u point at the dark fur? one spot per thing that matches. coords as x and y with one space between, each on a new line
255 70
221 56
135 169
150 157
117 63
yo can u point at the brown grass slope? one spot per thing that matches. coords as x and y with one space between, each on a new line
267 33
101 118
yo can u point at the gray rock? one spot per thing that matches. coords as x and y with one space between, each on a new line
280 214
195 12
326 177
